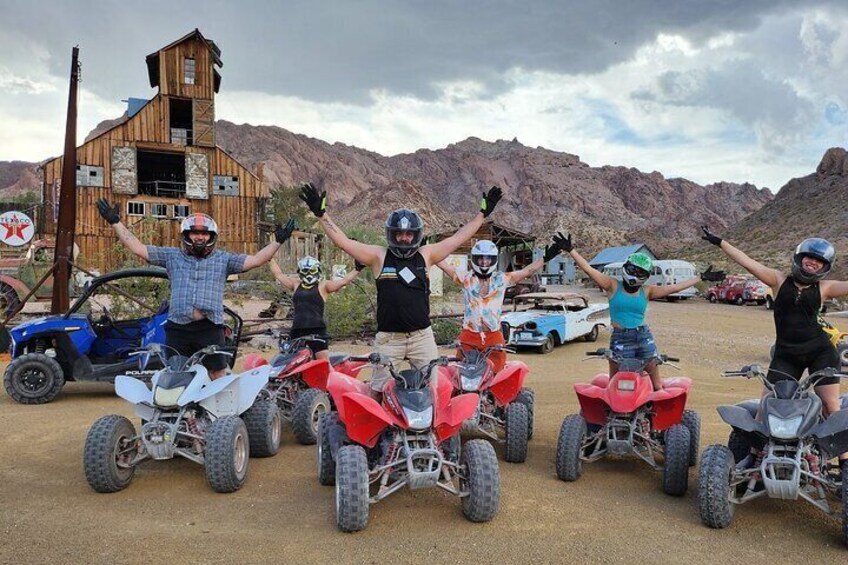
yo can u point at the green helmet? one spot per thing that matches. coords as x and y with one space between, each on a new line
637 269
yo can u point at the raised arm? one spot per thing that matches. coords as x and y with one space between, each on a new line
371 255
334 286
288 282
551 251
605 282
281 234
112 215
655 292
769 276
437 252
834 289
449 270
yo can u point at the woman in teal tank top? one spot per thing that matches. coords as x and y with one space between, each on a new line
629 296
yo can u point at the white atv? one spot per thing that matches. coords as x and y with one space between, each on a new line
218 424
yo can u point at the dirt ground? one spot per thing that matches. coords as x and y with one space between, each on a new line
615 513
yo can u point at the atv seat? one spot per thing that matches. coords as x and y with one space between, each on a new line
677 382
337 358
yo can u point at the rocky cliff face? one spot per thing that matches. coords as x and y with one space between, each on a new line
544 190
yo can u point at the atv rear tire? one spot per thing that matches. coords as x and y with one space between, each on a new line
675 480
528 398
569 465
692 421
227 454
842 351
352 488
517 422
310 404
264 423
738 447
714 476
105 444
845 503
326 464
482 481
33 378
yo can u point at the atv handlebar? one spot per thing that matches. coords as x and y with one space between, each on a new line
804 383
612 356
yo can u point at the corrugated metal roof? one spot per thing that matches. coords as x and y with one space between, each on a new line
615 254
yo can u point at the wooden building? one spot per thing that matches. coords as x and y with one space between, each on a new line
516 248
161 163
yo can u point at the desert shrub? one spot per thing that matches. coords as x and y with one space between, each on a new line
446 330
350 312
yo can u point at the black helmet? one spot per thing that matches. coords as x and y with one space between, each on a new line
404 220
816 248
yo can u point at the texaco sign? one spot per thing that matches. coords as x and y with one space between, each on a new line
16 228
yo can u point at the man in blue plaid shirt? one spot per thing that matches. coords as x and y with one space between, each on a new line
197 272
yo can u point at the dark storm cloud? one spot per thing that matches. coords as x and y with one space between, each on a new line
339 50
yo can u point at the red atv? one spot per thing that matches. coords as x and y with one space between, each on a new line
503 406
299 387
372 450
623 415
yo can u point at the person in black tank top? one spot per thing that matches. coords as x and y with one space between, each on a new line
401 273
801 342
308 298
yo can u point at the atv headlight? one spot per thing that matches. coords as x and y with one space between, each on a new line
784 428
626 385
167 397
419 420
471 384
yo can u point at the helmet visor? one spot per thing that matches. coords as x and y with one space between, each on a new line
637 272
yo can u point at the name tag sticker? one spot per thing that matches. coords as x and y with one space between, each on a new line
407 275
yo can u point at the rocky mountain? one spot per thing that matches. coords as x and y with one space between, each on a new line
544 190
18 177
810 206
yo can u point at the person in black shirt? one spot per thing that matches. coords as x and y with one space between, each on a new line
801 344
401 273
308 298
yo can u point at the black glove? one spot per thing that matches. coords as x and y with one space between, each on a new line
713 276
564 243
357 265
490 200
110 213
317 201
551 251
282 233
710 236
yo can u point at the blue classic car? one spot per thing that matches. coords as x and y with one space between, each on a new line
545 320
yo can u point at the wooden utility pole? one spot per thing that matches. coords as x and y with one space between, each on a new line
67 198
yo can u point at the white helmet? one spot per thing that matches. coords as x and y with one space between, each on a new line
198 222
484 251
309 270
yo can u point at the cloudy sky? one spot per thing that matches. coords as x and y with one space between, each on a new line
709 90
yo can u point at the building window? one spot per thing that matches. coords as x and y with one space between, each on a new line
225 185
189 71
181 211
135 208
159 210
89 175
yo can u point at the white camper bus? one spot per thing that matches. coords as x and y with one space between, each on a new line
665 272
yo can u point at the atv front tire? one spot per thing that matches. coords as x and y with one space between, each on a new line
352 488
264 423
310 404
675 480
227 454
108 450
482 481
517 422
33 378
569 465
326 464
714 478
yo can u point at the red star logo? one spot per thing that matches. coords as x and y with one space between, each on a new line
14 228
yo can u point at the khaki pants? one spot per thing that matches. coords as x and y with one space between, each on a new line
418 347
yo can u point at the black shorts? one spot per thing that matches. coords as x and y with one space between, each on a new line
313 344
787 364
190 338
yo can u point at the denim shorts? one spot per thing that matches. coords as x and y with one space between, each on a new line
633 343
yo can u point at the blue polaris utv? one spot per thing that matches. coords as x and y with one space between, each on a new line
116 314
